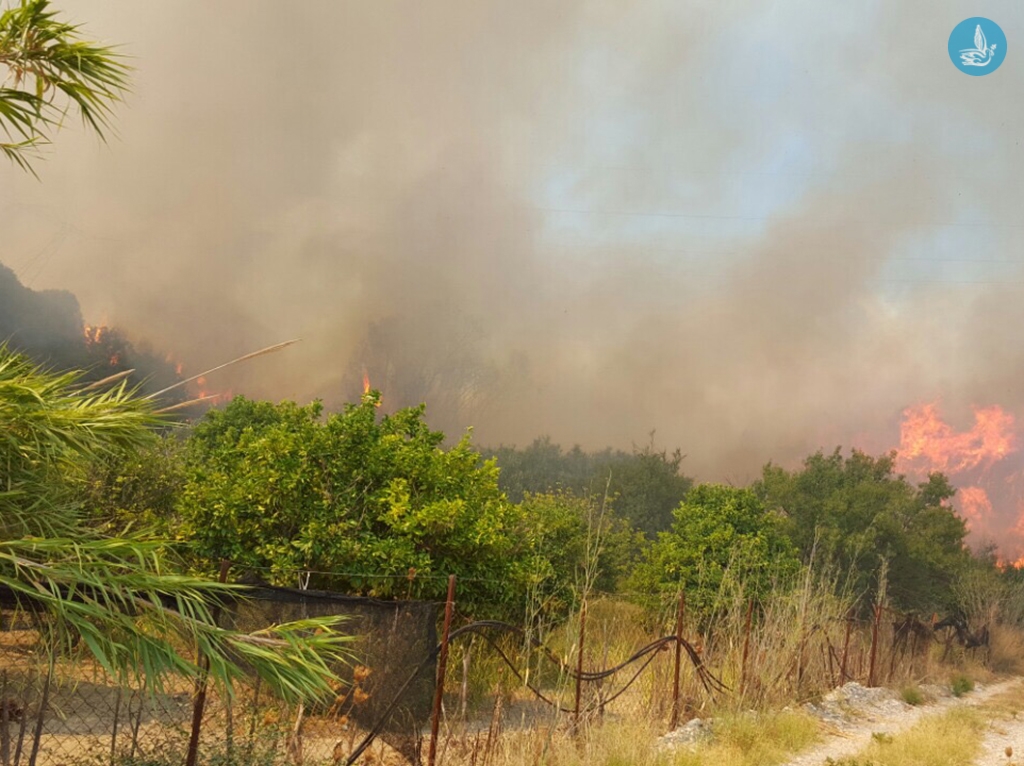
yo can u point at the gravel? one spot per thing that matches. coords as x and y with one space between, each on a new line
852 713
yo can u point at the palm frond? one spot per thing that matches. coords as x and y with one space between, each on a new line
124 598
132 615
51 70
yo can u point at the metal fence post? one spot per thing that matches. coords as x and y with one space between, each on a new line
843 675
38 732
442 665
5 716
746 647
579 667
874 645
199 701
680 610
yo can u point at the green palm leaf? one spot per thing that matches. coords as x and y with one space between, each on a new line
124 598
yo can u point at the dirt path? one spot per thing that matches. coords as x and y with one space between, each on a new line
888 714
1003 733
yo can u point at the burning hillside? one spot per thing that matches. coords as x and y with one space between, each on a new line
48 327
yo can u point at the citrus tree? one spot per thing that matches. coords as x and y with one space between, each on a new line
351 501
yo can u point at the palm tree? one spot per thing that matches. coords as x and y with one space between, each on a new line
50 71
122 600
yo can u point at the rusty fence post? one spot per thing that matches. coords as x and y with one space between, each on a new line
579 667
680 611
843 675
746 648
442 667
5 716
874 645
199 697
37 733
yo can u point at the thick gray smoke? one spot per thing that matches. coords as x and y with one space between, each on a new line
759 228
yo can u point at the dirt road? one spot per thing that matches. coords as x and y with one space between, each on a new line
877 711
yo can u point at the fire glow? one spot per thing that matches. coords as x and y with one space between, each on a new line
97 336
983 463
368 391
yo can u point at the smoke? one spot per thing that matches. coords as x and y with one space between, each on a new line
760 230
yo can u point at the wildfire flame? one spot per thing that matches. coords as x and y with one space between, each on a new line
976 463
94 334
925 438
975 507
367 392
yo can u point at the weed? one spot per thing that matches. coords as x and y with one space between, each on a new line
912 695
749 739
961 684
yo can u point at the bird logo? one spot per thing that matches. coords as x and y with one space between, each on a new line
981 54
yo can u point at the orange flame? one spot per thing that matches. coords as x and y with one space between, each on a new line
94 333
368 395
988 494
976 507
927 442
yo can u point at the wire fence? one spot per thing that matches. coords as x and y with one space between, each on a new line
427 689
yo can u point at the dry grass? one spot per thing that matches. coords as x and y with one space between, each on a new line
751 740
1007 651
951 739
739 740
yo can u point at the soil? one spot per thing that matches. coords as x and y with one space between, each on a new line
1004 741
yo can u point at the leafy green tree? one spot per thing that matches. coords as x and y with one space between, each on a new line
136 488
120 596
722 537
648 487
644 486
856 512
352 501
50 71
577 546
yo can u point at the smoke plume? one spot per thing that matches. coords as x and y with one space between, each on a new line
760 230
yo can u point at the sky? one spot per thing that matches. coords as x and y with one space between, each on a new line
755 229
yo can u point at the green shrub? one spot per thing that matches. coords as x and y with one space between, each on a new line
961 684
912 695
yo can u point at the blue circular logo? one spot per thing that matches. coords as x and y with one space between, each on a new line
977 46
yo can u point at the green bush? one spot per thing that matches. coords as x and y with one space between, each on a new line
721 537
961 684
912 695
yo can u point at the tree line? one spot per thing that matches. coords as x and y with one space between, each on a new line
381 505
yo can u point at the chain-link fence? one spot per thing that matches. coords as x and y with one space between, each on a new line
63 711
